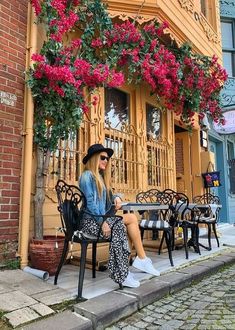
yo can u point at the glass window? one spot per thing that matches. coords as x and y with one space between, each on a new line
153 121
117 108
227 34
203 7
230 150
228 63
227 31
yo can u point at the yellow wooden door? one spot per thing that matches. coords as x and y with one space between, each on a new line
183 163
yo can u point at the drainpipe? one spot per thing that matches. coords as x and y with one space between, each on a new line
27 154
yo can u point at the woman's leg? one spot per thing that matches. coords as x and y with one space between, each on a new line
131 223
141 262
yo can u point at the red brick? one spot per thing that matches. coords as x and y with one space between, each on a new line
4 171
11 230
5 3
9 207
12 151
11 237
9 223
4 215
10 193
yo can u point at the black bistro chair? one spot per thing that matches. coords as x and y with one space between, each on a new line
184 217
209 215
71 206
156 220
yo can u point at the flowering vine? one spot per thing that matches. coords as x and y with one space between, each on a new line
108 55
84 50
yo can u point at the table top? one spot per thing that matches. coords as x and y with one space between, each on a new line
131 206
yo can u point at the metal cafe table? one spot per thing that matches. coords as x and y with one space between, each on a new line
144 207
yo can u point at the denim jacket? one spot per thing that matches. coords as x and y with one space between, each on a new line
95 204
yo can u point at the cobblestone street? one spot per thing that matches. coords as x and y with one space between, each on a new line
209 304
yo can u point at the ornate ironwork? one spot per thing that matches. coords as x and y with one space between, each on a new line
228 93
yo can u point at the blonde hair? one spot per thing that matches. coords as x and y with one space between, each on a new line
93 166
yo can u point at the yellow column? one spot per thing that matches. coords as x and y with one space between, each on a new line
26 182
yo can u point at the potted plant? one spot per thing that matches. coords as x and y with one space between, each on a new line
104 54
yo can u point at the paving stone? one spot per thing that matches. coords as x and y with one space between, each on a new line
196 272
107 308
33 286
13 276
53 297
42 309
149 292
11 301
4 288
172 324
21 316
62 321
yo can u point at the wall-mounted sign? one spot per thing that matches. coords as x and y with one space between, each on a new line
8 98
229 127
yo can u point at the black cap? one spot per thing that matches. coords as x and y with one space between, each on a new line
94 149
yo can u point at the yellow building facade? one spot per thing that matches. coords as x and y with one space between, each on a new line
151 148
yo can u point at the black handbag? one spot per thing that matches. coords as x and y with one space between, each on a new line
211 179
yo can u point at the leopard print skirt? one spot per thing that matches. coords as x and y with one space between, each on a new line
119 251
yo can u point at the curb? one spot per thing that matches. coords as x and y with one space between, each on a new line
102 311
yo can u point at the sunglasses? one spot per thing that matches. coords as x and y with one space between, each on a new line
104 158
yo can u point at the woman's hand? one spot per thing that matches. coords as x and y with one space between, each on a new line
117 203
106 230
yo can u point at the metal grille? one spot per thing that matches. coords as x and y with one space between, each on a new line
126 162
160 164
138 164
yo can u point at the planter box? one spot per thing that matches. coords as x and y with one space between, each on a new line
45 254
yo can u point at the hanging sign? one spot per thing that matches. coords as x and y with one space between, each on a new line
211 179
229 127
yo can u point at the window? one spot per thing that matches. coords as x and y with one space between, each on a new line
228 44
117 108
208 9
231 163
230 149
203 139
153 122
203 7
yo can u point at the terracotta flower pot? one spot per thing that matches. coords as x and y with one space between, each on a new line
45 254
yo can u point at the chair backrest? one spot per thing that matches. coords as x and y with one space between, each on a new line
71 205
149 196
178 202
206 198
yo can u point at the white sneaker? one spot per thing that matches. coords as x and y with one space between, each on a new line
130 282
145 265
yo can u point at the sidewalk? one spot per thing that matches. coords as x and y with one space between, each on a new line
25 298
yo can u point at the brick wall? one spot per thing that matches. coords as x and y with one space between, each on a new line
13 20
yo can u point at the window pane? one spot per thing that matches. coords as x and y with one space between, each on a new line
153 121
227 63
203 7
227 35
232 177
230 150
117 108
